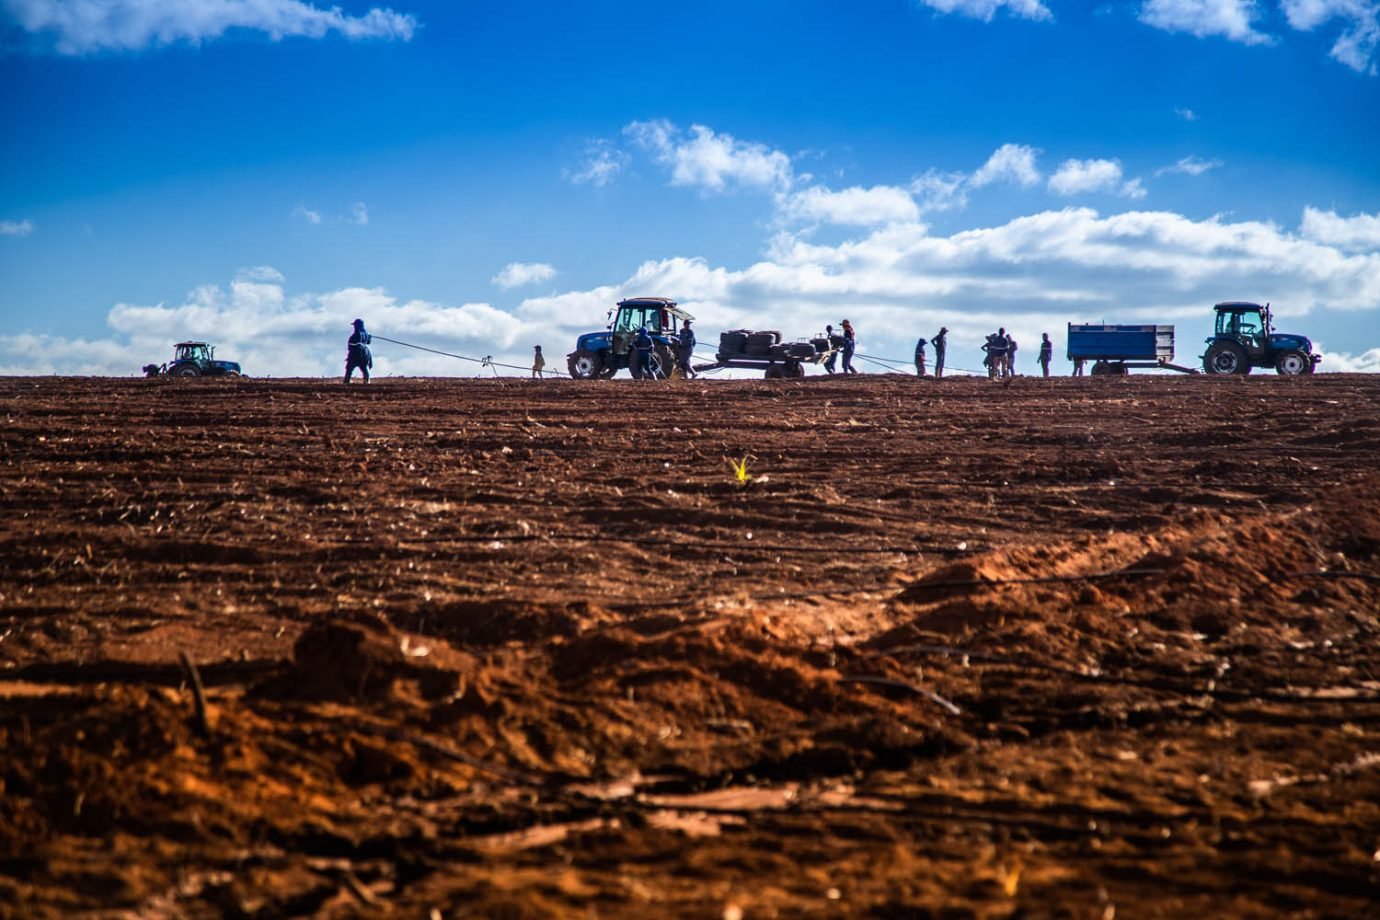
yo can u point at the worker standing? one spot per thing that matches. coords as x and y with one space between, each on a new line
920 356
940 342
642 354
685 349
357 353
1046 353
538 362
996 354
835 343
1010 355
850 344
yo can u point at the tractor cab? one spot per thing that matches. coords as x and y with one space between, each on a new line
658 314
199 352
1248 324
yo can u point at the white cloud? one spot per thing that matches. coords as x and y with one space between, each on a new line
856 206
1079 176
940 191
709 161
16 227
986 9
1009 163
307 214
1230 19
602 162
95 25
1189 166
1186 114
516 274
359 214
1368 362
1352 234
259 273
1357 45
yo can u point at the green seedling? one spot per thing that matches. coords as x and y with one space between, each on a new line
740 470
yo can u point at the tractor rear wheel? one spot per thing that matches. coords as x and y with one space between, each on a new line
187 370
1226 358
662 362
1292 363
774 373
585 365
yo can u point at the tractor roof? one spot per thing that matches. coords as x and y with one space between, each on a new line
190 344
1237 306
664 302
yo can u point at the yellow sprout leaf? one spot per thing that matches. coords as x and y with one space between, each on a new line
740 469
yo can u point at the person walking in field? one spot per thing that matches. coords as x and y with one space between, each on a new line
850 344
357 353
642 354
940 342
835 343
685 349
1046 353
538 362
920 356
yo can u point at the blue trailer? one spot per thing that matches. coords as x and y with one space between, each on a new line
1115 349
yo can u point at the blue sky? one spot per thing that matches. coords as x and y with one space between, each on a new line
479 178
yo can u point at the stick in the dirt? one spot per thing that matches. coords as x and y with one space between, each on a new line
902 685
203 724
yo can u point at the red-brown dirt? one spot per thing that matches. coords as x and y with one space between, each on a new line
1068 648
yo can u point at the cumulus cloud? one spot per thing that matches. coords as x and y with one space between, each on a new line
986 9
1356 46
856 206
1009 163
940 191
16 227
600 164
307 214
259 273
517 274
1353 234
894 280
1230 19
704 159
1080 176
1368 362
1188 166
128 25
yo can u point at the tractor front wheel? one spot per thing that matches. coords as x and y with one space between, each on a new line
585 365
1226 358
1293 363
187 370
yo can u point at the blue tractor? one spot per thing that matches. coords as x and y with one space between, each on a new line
1245 338
194 359
603 354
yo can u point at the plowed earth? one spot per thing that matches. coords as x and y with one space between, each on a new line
1070 648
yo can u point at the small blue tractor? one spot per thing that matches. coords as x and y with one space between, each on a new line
194 359
603 354
1245 338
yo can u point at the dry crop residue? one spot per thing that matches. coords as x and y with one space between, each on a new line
1083 648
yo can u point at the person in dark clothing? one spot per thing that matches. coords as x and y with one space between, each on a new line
920 356
1010 355
1046 353
850 342
940 342
357 353
642 354
685 349
835 343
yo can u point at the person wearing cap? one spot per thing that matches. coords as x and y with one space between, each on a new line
850 342
940 342
920 356
685 349
357 352
538 362
642 354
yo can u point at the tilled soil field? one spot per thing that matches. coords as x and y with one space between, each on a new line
1051 648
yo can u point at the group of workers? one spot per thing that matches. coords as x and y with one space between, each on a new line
1000 351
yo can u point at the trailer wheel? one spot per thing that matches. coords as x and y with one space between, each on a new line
1292 363
774 373
585 365
1226 358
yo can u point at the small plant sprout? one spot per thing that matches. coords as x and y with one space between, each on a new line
740 469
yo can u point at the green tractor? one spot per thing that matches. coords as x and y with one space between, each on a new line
1245 338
